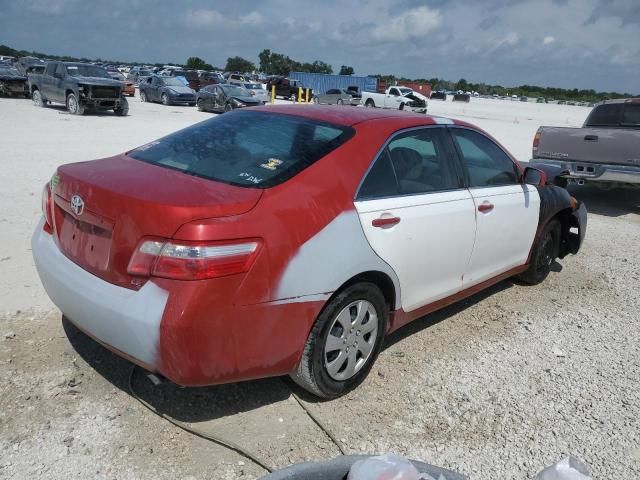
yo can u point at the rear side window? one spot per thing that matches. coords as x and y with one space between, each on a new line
244 148
631 115
414 162
605 115
486 162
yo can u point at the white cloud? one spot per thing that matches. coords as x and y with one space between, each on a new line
203 18
50 7
252 19
548 40
416 22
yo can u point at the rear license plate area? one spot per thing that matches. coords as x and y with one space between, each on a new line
87 244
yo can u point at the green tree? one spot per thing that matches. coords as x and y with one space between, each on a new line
239 64
198 64
462 85
346 70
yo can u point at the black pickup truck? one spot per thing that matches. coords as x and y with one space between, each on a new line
79 86
287 88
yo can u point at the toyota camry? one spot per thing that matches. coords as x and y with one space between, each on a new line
290 240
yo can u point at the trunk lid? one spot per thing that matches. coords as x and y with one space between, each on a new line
122 200
603 145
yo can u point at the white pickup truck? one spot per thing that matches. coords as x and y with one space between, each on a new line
401 98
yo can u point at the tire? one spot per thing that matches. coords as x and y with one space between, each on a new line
74 107
123 110
544 254
200 105
143 96
38 101
329 372
165 99
228 107
316 100
340 102
369 103
401 107
192 104
292 97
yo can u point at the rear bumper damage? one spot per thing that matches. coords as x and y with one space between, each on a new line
594 172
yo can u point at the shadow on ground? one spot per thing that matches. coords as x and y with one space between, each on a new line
611 203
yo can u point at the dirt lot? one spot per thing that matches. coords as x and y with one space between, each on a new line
498 386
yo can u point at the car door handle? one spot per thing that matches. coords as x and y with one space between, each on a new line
591 138
485 207
384 222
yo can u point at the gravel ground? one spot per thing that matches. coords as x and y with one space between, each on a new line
498 386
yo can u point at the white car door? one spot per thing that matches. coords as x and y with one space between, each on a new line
507 210
393 99
417 215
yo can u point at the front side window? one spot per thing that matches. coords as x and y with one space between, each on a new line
414 162
394 92
245 148
486 163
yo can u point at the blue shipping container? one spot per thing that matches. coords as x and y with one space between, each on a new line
321 82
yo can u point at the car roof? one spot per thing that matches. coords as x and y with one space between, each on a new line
354 115
621 100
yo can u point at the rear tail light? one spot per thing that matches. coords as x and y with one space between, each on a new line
536 141
191 260
46 208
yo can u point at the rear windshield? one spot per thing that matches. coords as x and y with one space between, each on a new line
245 148
615 115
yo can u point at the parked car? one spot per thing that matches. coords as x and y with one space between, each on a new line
288 88
255 90
138 74
236 78
336 96
401 98
168 90
461 97
24 64
12 82
604 151
354 91
209 78
541 100
79 86
191 76
128 87
524 99
224 98
439 95
228 251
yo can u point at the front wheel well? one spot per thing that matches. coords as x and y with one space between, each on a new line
567 222
68 92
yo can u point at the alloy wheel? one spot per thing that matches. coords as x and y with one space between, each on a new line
350 340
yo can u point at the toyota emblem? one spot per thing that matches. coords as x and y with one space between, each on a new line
77 204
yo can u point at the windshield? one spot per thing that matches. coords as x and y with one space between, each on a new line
252 86
172 82
232 91
87 71
244 148
405 91
6 70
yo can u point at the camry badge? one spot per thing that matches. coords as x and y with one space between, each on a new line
77 204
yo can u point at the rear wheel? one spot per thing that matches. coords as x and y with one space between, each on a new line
228 107
200 105
340 102
316 100
143 96
369 103
344 342
37 99
165 99
74 107
544 254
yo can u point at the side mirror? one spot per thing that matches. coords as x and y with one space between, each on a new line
534 176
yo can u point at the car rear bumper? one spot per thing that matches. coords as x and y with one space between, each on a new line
192 332
126 320
594 172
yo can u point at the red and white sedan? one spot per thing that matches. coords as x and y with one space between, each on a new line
291 239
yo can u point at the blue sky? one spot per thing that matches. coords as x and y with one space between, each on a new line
565 43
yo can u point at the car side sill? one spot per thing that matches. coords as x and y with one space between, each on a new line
400 318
